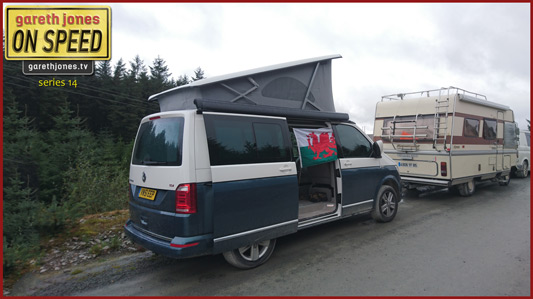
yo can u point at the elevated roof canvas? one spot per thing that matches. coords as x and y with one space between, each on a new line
303 84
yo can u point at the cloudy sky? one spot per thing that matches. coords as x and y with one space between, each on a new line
386 48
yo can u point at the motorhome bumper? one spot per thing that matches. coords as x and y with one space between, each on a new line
176 247
412 180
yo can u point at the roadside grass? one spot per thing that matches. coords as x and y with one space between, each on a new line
84 229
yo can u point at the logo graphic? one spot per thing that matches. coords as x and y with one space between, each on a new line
144 177
316 146
57 32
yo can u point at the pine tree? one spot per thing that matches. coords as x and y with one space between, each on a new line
159 75
120 71
198 74
103 70
182 80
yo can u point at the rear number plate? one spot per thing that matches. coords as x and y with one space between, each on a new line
147 193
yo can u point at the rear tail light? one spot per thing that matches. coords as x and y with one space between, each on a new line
186 199
443 169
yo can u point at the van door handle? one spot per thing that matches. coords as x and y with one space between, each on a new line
285 168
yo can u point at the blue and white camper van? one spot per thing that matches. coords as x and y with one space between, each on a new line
234 162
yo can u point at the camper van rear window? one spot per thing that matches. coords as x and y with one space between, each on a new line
159 142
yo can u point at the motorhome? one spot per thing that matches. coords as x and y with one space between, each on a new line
447 137
233 162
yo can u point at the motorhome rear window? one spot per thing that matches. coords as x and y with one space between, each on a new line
245 140
159 142
402 128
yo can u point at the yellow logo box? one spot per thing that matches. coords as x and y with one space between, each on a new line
54 32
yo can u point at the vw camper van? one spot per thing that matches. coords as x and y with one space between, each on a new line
233 162
447 137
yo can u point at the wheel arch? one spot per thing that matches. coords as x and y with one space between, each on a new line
392 181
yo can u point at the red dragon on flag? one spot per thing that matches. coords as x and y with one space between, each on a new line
316 146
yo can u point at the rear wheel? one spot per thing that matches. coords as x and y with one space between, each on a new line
250 256
386 204
467 189
523 172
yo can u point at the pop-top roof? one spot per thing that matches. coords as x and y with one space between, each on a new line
303 84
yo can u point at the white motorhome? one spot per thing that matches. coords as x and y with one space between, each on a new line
447 137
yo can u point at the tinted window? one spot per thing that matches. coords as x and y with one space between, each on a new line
471 128
270 142
352 142
489 128
245 140
159 142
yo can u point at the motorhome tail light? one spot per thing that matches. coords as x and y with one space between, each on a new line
443 169
155 117
186 199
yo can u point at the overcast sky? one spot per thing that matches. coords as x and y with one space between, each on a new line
386 48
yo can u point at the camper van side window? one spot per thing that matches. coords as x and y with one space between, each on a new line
245 140
489 128
352 143
471 128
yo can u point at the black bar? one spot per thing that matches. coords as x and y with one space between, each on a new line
292 113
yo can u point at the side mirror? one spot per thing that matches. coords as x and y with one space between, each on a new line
377 149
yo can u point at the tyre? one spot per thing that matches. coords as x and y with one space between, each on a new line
250 256
386 204
504 180
524 171
467 189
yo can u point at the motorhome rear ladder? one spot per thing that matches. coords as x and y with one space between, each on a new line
440 128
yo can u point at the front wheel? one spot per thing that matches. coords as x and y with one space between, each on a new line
386 204
250 256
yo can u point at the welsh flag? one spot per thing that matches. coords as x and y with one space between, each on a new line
316 146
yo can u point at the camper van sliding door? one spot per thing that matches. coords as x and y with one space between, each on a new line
254 183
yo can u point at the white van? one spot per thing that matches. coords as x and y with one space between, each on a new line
522 165
447 137
221 168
